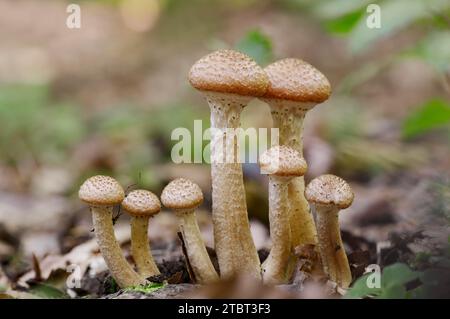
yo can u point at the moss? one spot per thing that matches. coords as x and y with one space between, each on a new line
146 289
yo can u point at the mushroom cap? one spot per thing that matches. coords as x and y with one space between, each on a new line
282 161
296 80
229 71
141 203
101 190
329 190
181 194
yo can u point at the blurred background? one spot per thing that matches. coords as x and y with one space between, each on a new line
104 99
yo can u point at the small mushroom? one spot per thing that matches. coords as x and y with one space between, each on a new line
282 164
295 88
330 194
141 205
229 80
183 196
102 193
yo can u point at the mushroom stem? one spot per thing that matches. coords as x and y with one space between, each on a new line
288 117
332 252
140 247
120 269
236 251
274 268
198 256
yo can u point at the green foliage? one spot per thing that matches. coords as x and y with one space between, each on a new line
344 24
146 289
333 9
43 290
431 115
257 45
395 15
35 127
393 283
349 17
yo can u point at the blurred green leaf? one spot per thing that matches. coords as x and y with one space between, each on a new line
393 283
344 24
395 15
397 274
35 127
257 45
47 291
146 289
431 115
331 9
360 289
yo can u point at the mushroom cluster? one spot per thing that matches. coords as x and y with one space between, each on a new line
230 80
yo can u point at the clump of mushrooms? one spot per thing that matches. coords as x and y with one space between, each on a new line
282 164
229 80
102 193
330 194
183 196
142 205
295 87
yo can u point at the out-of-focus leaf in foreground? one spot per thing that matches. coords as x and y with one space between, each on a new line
393 283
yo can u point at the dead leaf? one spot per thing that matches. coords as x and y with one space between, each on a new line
36 268
186 258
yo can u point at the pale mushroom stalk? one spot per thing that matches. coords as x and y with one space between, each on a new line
330 194
282 164
101 193
195 248
140 247
334 258
274 267
110 249
183 197
229 79
141 205
234 243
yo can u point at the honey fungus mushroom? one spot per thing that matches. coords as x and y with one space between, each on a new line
101 193
295 87
229 80
141 205
282 164
330 194
183 197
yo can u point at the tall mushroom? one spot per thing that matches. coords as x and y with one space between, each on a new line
282 164
102 193
141 205
330 194
184 196
295 88
229 80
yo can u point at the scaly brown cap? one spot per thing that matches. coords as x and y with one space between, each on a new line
296 80
141 203
228 71
182 194
101 190
329 190
282 161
